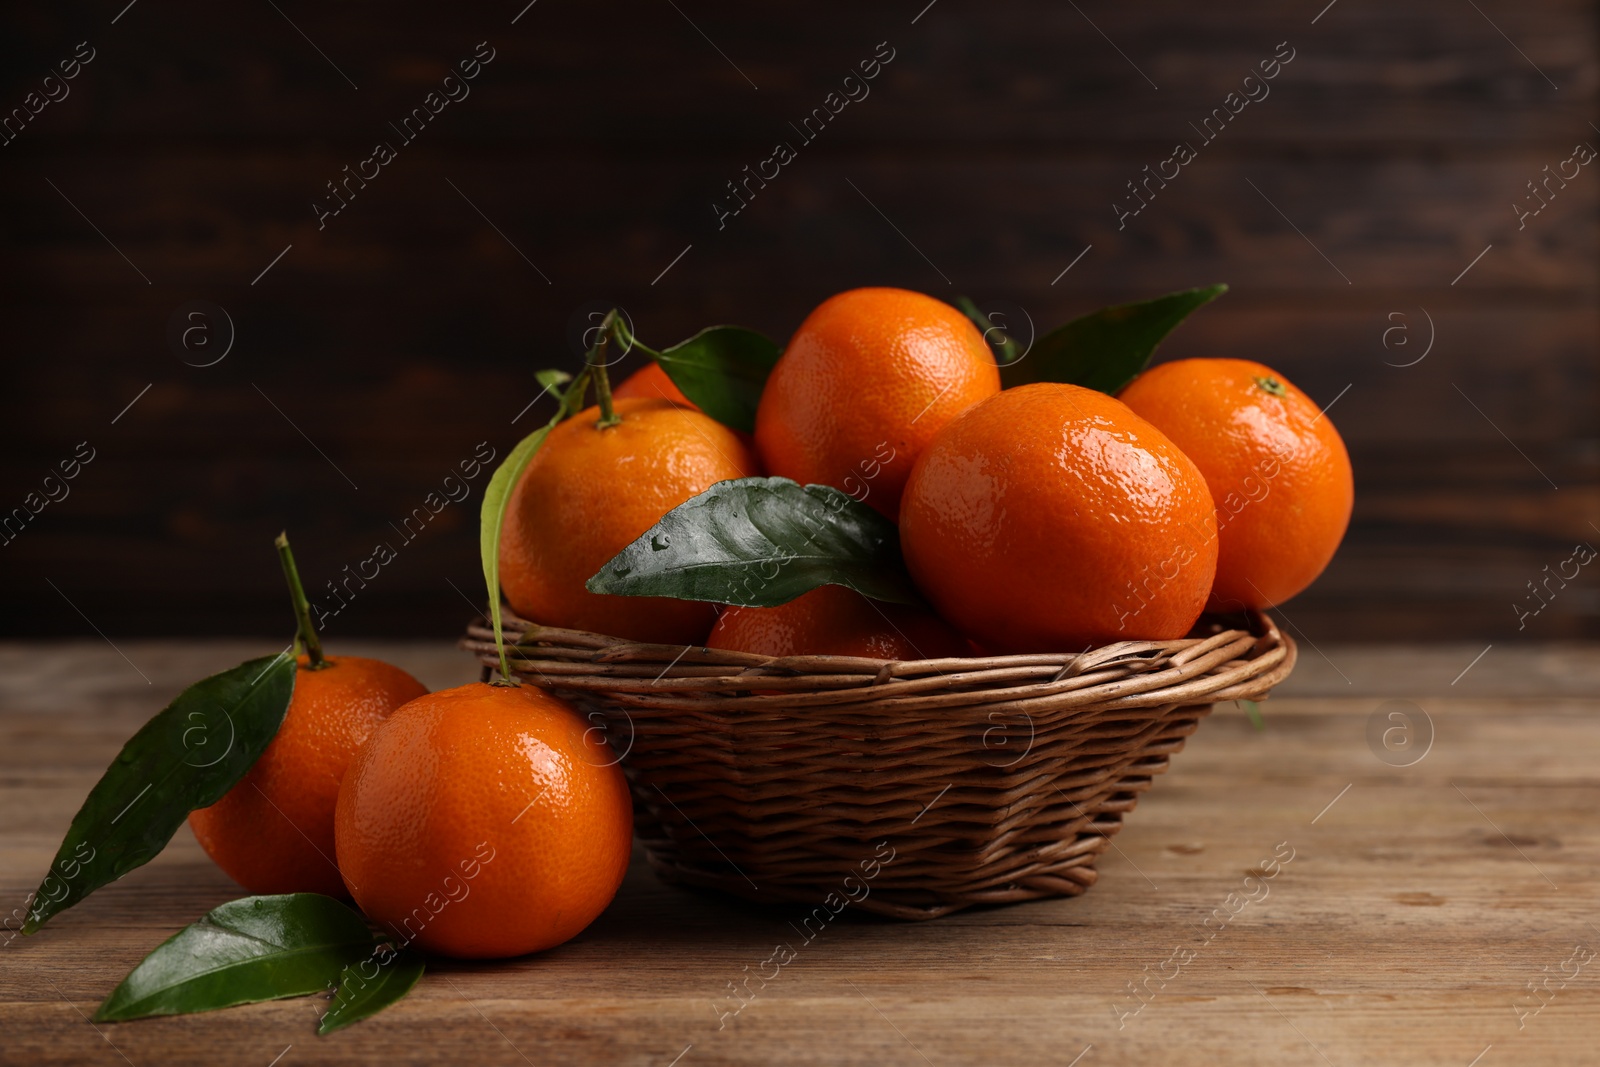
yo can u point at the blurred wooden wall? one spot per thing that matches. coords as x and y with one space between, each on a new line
378 351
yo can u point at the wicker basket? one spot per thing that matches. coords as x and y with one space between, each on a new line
988 781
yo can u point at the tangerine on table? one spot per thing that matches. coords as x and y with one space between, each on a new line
484 821
864 384
1051 518
832 620
1277 469
589 492
273 831
652 381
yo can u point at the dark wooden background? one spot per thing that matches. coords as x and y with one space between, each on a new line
986 158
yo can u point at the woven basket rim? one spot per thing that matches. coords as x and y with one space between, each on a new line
1227 663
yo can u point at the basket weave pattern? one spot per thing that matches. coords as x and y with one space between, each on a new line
994 780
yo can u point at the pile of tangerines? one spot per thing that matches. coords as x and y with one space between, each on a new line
1042 518
1047 517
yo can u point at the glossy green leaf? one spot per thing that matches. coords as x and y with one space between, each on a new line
1252 709
1109 348
723 369
369 986
186 757
759 542
248 950
497 496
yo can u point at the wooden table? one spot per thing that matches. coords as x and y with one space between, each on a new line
1420 904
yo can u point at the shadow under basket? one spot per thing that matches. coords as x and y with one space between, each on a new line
912 789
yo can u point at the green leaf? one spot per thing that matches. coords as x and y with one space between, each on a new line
552 379
1252 709
1109 348
723 369
362 993
1008 347
186 757
497 497
248 950
759 542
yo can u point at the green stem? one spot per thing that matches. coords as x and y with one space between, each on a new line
302 606
597 370
625 336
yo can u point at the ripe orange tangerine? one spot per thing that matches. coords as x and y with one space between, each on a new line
650 381
1277 469
485 821
273 831
1051 518
834 621
589 492
864 384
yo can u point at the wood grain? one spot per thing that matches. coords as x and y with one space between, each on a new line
1419 903
1016 71
989 154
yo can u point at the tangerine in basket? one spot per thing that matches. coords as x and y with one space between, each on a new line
864 384
650 380
589 492
1278 471
485 821
1051 518
834 621
273 831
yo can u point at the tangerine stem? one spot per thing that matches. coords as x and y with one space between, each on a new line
626 337
307 633
602 384
1271 385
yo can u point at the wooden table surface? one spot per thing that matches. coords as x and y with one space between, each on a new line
1421 905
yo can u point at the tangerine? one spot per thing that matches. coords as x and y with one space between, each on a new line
832 620
650 380
864 384
589 492
1051 518
273 831
484 821
1277 469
